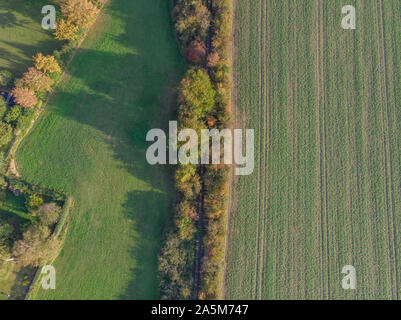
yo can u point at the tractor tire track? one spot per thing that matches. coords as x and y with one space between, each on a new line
260 231
322 162
388 171
267 55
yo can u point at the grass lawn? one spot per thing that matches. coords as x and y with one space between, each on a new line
22 35
91 143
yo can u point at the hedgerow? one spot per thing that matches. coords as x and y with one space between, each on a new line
204 98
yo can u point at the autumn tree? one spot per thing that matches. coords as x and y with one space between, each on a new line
79 12
48 213
196 53
196 93
36 247
25 97
36 80
192 20
46 63
66 30
213 59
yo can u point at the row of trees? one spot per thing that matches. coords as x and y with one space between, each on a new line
216 177
196 102
203 102
76 17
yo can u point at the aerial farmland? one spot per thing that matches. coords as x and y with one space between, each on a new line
325 105
200 150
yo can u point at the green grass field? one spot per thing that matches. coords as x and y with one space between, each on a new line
325 193
91 143
21 34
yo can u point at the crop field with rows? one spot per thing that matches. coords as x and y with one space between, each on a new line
326 190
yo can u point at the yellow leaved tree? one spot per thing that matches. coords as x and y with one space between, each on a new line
46 63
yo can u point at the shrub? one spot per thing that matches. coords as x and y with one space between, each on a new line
36 247
25 120
7 236
48 213
6 133
192 21
186 228
3 107
36 80
6 79
79 12
13 114
196 93
34 201
46 63
25 97
176 268
3 183
196 53
66 30
213 59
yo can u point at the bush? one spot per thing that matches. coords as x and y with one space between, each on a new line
79 12
3 107
46 63
3 183
34 201
25 120
196 53
25 97
6 133
13 114
7 236
36 80
48 213
36 247
66 30
6 79
196 93
192 21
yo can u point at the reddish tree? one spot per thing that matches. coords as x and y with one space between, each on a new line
36 80
196 53
24 97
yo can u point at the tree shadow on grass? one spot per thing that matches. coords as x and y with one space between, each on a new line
19 56
140 208
12 50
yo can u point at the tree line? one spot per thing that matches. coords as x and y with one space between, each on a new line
204 98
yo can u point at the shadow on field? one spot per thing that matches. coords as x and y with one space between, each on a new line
14 49
15 54
124 95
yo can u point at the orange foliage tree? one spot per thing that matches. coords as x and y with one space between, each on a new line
36 80
79 12
24 97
